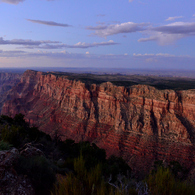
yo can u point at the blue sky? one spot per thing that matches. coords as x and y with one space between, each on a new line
138 34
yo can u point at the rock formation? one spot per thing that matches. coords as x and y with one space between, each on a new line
10 182
139 123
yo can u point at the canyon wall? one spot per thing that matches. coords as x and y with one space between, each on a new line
7 81
139 123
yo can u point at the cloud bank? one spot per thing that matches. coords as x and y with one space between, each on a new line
168 34
47 44
163 35
20 58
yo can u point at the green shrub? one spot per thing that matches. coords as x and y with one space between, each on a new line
17 132
87 182
11 135
177 170
115 166
4 145
163 182
91 180
6 119
19 120
34 134
92 154
82 182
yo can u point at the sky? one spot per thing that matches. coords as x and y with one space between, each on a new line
134 34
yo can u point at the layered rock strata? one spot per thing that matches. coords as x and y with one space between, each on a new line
139 123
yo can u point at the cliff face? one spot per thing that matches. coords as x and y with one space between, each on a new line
141 123
7 81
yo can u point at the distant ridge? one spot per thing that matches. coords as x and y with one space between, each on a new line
123 71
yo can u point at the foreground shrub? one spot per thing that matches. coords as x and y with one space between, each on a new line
39 170
4 145
18 132
82 181
11 135
87 182
163 182
115 166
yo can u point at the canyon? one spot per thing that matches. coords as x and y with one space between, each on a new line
139 123
7 81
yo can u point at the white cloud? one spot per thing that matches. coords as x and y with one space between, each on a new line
130 0
67 59
184 28
15 2
101 15
165 55
173 18
161 38
64 52
168 34
24 42
154 55
99 27
47 44
80 45
95 44
55 55
141 55
128 27
12 1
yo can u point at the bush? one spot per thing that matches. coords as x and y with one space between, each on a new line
83 182
11 135
6 119
90 180
17 132
39 170
4 145
92 154
163 182
87 182
19 120
177 170
115 166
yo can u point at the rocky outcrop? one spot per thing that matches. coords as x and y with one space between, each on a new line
29 151
10 182
140 123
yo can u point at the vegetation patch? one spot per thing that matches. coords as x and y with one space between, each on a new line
82 168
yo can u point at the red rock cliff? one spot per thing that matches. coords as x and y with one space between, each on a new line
140 123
